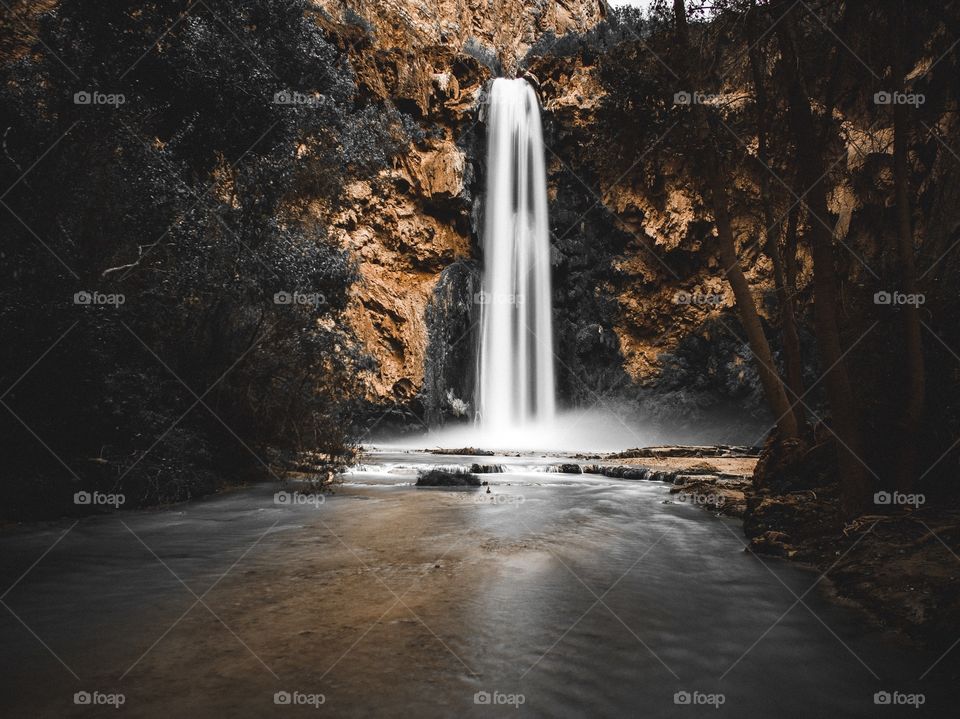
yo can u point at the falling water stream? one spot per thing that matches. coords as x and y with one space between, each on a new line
516 386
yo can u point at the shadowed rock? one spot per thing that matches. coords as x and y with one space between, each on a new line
566 469
447 478
486 468
464 451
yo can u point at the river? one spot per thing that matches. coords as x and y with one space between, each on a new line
555 595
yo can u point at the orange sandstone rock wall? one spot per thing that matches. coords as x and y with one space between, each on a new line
430 59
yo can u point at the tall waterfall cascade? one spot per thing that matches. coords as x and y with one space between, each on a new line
516 387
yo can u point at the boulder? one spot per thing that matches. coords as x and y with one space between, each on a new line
447 478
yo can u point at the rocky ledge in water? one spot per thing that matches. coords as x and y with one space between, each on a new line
715 450
568 468
477 468
463 452
720 484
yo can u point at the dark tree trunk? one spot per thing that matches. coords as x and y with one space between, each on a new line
791 337
793 363
913 342
855 485
773 386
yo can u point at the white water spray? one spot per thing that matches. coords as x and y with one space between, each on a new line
516 386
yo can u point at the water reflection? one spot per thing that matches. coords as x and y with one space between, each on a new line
601 598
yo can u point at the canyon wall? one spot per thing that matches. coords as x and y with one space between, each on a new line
414 234
620 241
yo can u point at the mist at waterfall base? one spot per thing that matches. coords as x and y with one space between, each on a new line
614 426
515 400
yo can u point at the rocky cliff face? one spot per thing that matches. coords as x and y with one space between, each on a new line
619 239
642 304
643 309
430 61
414 233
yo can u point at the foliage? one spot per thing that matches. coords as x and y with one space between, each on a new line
643 134
187 200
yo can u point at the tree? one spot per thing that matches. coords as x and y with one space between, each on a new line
716 184
812 174
180 182
784 278
913 343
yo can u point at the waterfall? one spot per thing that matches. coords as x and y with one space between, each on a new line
515 383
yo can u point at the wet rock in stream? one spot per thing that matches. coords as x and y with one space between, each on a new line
477 468
447 478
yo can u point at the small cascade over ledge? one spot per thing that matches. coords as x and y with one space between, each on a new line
516 387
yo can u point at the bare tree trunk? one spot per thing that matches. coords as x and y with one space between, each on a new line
854 484
773 387
770 380
792 360
913 342
791 335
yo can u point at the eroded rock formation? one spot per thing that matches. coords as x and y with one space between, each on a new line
431 61
620 240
